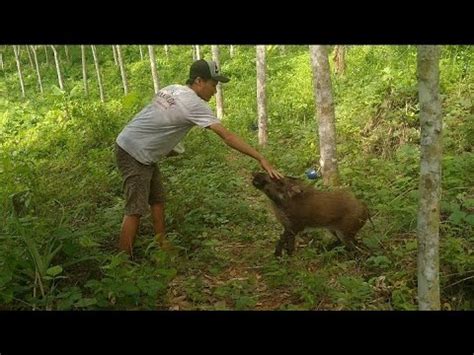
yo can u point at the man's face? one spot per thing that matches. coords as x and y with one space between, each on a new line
206 89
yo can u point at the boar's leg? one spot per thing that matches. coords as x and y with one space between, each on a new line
336 242
290 242
347 240
287 241
279 245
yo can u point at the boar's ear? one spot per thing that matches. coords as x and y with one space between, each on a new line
294 190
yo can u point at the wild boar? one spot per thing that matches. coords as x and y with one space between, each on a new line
298 205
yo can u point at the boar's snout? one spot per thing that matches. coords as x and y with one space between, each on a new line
259 180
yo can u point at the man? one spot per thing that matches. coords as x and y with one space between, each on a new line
155 132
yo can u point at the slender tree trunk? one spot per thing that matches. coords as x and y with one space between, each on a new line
167 50
198 52
46 55
1 60
154 73
66 51
430 178
18 66
141 52
219 94
122 70
261 96
325 112
194 52
97 69
58 69
30 58
231 51
114 52
33 49
84 70
340 59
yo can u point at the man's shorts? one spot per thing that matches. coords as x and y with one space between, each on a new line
142 183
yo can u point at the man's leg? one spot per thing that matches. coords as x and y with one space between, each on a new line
129 231
158 216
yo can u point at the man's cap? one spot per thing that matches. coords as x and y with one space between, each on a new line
206 69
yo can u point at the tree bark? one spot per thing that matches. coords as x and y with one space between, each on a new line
154 73
231 51
18 66
46 55
1 60
325 113
198 52
141 52
84 70
122 70
114 52
30 58
261 96
430 177
97 69
66 51
219 94
340 60
38 74
167 50
58 69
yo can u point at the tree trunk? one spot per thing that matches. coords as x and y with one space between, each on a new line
30 58
33 49
141 52
231 51
58 70
114 52
18 66
325 113
340 59
194 52
84 71
66 51
167 50
198 52
1 60
46 54
99 79
154 73
219 94
122 70
261 96
430 177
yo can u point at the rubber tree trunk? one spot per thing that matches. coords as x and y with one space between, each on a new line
97 70
219 94
122 70
325 114
58 68
84 70
16 51
430 177
261 96
38 74
154 72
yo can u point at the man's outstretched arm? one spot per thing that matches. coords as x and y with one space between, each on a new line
234 141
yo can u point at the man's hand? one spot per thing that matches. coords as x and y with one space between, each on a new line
274 174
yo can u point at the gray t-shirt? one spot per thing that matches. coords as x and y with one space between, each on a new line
161 125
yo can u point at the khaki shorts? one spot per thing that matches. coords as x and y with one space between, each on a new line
142 183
